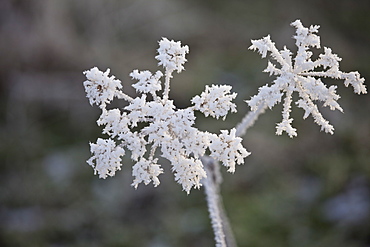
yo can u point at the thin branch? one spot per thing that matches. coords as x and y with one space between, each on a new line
220 223
166 91
121 95
249 119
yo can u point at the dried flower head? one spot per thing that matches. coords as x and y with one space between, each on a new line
171 55
150 124
301 75
99 87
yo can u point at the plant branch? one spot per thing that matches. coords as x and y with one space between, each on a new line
249 120
220 223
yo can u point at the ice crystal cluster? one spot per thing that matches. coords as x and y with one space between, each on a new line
301 74
151 124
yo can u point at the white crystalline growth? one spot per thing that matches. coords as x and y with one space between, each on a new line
171 55
146 171
301 74
151 125
147 83
99 87
215 101
106 159
228 149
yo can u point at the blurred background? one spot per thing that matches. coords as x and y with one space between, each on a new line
313 190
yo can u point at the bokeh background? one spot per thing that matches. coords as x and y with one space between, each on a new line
313 190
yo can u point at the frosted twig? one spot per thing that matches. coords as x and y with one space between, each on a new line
211 189
166 91
249 119
212 182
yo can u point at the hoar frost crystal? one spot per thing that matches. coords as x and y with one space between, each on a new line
300 75
167 129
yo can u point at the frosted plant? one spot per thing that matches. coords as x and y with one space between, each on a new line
301 75
151 122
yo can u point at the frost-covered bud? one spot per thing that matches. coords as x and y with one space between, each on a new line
106 158
115 123
147 82
228 149
100 88
188 172
215 101
171 55
134 142
146 171
354 78
197 143
138 110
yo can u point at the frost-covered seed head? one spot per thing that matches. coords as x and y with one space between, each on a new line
106 159
215 101
147 82
171 55
100 88
228 149
151 124
303 77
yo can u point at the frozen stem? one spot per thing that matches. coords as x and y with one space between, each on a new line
220 223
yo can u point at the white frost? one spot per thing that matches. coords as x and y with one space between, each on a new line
301 74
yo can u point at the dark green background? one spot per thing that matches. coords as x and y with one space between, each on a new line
309 191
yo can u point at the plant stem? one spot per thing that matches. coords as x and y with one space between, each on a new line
121 95
224 236
166 91
249 119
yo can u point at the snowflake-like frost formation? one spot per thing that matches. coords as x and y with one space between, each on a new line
99 87
107 157
215 101
171 55
151 122
301 75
